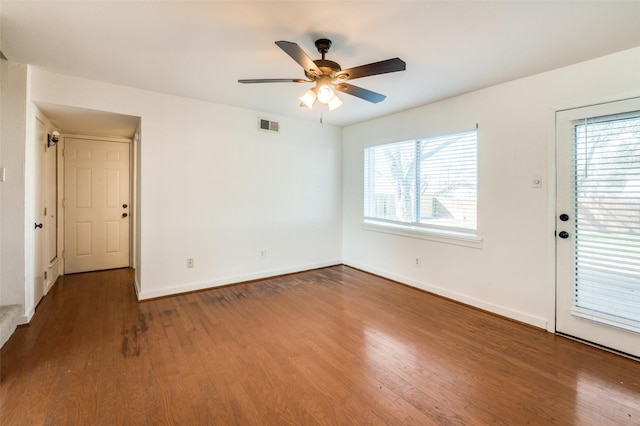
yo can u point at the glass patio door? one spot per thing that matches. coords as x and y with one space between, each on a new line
598 224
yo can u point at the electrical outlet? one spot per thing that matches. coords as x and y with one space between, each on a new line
263 254
189 263
418 262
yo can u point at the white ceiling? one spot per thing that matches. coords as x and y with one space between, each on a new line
200 49
89 122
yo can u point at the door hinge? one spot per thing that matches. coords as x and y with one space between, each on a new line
64 203
45 275
45 212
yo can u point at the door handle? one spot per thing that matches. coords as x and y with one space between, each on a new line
38 225
563 234
124 215
564 217
124 206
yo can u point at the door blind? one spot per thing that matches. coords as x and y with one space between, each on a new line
607 220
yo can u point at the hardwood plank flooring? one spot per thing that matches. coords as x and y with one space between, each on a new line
334 346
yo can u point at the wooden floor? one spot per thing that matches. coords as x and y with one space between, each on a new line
334 346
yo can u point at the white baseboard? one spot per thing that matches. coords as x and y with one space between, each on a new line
54 273
168 291
26 318
459 297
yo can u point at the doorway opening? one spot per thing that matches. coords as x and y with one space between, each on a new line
114 176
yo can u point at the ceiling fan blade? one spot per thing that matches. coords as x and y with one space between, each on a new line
275 80
382 67
298 55
359 92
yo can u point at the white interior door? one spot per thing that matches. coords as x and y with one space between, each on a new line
96 205
598 224
38 212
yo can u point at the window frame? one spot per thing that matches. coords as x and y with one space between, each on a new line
464 236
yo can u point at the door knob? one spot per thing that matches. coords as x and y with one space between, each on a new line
124 206
563 234
124 215
564 217
38 225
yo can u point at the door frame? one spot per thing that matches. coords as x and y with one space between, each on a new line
552 178
61 189
552 147
40 240
41 174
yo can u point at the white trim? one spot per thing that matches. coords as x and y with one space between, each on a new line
62 195
48 284
235 279
431 234
552 167
550 289
452 295
26 318
609 99
84 136
136 286
566 321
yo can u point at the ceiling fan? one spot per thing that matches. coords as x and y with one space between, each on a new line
330 77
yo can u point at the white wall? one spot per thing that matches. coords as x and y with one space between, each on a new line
13 233
214 188
18 283
513 273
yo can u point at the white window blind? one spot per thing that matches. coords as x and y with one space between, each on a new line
427 182
390 181
607 225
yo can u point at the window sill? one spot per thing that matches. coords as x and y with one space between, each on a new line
431 234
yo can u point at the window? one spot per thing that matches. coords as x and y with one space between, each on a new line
607 219
429 183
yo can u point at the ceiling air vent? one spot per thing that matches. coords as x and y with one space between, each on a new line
270 126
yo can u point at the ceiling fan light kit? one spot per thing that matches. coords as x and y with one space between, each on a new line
329 76
309 98
324 93
334 103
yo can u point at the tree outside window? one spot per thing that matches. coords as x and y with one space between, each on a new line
428 182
